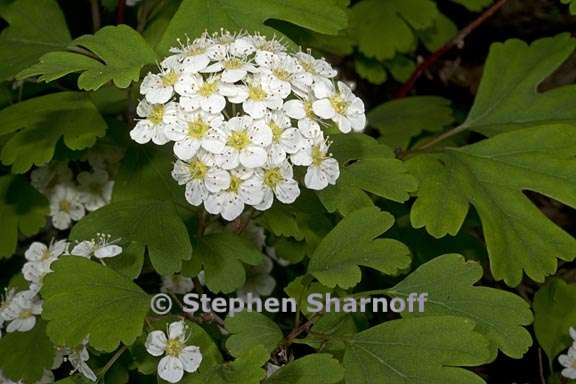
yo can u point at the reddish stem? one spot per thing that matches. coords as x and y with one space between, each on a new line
120 11
456 41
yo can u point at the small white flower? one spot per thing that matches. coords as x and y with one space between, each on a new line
77 357
245 143
65 206
568 361
233 68
177 284
5 301
199 93
101 247
341 106
282 69
45 178
278 181
313 70
39 252
21 312
179 357
196 130
259 94
157 118
322 168
95 190
158 88
285 138
245 188
193 57
301 110
200 177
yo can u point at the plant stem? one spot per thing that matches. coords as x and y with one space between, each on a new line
458 40
439 138
96 19
111 362
120 11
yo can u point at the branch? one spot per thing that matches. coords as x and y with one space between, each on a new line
458 40
120 11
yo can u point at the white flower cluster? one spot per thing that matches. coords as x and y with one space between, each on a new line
568 360
241 112
19 309
70 198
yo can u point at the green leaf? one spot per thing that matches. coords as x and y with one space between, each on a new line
508 97
421 350
130 262
145 174
244 370
85 298
25 355
449 281
331 331
152 223
39 123
375 170
492 175
439 34
36 27
475 5
336 261
196 16
250 329
320 368
222 255
120 52
370 20
402 119
572 4
554 314
371 70
22 209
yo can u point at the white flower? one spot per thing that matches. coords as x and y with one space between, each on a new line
179 357
193 57
313 70
95 190
245 188
21 312
65 206
278 180
281 68
101 247
177 284
322 168
259 94
341 106
78 357
157 117
199 93
233 68
158 88
200 177
245 143
568 361
39 252
285 138
5 301
301 110
45 178
196 130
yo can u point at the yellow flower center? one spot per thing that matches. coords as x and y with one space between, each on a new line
276 131
169 78
193 51
174 347
307 66
197 169
232 63
281 73
308 109
64 205
208 88
235 182
317 155
339 104
272 177
45 255
197 129
239 140
157 114
256 93
26 313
